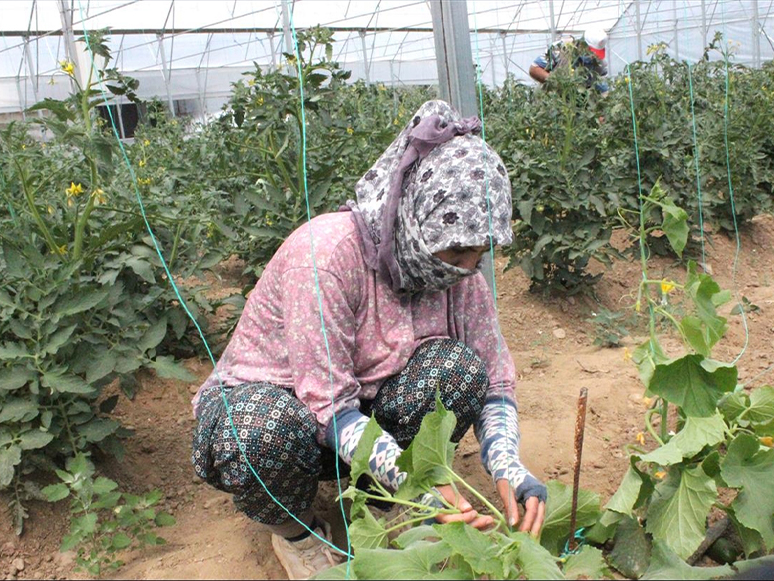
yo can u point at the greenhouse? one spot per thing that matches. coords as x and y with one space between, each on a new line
386 289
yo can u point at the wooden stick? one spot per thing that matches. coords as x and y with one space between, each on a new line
580 428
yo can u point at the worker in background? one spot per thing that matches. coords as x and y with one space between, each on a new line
587 52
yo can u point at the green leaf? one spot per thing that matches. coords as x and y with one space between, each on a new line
706 295
746 568
100 366
164 519
56 492
167 367
103 485
83 301
98 429
534 561
556 526
748 467
678 512
413 535
18 410
86 523
695 435
693 383
59 338
360 460
476 548
666 565
419 561
732 405
34 439
341 571
751 540
675 225
586 564
121 541
15 377
367 532
761 405
646 357
153 336
66 383
625 498
142 268
13 351
429 457
631 549
9 458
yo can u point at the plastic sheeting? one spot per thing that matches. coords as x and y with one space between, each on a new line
207 44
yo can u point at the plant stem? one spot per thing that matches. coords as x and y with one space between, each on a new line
35 214
649 426
496 513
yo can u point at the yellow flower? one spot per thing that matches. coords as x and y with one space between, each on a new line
74 190
146 143
667 286
68 67
99 196
350 130
637 306
640 439
767 441
144 181
24 146
251 82
647 401
660 474
142 163
50 209
61 249
627 354
260 101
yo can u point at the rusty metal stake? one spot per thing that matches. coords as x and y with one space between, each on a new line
580 428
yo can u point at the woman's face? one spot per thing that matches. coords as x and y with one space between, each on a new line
466 257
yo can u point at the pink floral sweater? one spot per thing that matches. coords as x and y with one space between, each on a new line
369 332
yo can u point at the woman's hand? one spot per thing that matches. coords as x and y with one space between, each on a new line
534 509
466 514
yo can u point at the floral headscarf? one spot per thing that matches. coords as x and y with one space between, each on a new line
437 186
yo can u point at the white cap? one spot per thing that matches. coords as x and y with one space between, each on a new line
596 39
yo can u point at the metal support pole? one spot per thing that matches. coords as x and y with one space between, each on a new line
704 23
165 74
365 57
677 31
756 35
121 130
31 69
639 28
286 30
553 20
454 59
505 54
22 100
492 61
273 53
73 54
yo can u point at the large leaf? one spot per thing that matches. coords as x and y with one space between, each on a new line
646 356
631 549
13 351
367 532
66 383
361 459
429 457
588 563
9 458
678 512
420 561
59 338
697 433
666 565
82 301
18 410
675 225
761 405
476 548
34 439
747 568
630 491
694 383
706 295
15 377
167 367
341 571
532 559
98 429
556 526
153 336
748 467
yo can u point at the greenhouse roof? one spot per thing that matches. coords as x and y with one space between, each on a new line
195 49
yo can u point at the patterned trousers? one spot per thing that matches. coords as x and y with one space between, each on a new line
277 432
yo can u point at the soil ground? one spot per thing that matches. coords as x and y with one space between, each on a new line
552 342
